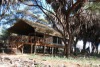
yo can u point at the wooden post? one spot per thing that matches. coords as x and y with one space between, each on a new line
44 49
31 48
35 49
23 49
2 50
17 46
48 50
34 42
56 50
57 43
52 51
57 40
44 42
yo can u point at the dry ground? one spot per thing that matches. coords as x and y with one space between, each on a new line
27 60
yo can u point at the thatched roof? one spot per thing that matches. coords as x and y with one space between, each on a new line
25 27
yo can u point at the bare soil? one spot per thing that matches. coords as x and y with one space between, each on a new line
27 60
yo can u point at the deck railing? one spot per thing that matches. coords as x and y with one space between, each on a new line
18 41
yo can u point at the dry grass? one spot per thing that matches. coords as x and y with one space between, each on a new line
69 62
56 61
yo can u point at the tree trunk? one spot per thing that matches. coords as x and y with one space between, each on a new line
67 50
75 45
96 49
84 45
68 46
93 47
97 44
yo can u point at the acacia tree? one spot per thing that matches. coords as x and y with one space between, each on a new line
61 16
62 12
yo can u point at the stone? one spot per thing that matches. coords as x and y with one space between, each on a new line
35 63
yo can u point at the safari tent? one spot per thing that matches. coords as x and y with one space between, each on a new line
34 37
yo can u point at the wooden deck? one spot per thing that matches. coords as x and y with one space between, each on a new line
20 42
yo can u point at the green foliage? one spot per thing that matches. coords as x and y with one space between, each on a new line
5 34
42 20
94 7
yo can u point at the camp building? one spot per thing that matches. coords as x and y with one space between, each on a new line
34 37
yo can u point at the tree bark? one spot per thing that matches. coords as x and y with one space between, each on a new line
93 47
84 45
68 46
75 45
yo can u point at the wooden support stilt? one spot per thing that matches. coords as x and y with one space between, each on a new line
35 49
55 51
23 49
57 40
17 46
2 50
44 49
64 51
31 48
52 50
34 42
48 50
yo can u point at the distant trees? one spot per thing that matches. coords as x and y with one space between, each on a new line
5 34
95 28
